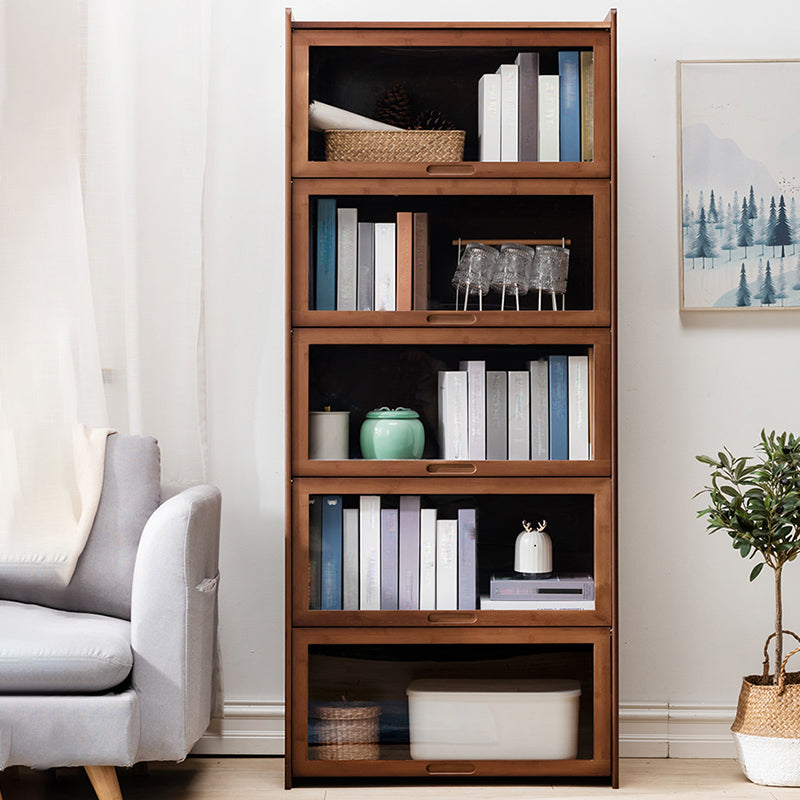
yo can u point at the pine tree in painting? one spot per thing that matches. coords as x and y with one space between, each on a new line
751 205
743 293
793 223
745 230
772 223
768 292
781 233
760 226
728 228
796 286
781 294
712 209
687 211
759 280
703 244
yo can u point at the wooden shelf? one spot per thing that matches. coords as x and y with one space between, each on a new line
359 360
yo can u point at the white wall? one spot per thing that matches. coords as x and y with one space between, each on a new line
690 623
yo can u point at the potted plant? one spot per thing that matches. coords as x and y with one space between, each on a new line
756 501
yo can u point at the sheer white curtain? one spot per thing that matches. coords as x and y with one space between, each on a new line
103 119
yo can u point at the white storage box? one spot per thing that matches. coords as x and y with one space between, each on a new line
493 719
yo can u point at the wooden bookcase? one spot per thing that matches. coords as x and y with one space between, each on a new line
358 360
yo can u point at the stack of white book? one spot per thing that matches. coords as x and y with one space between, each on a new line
538 413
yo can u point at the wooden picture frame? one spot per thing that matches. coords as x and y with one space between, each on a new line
739 202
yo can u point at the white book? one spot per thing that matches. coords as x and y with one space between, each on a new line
346 258
489 123
447 564
476 408
427 559
540 410
350 565
453 415
385 266
496 415
369 556
519 419
549 138
488 604
578 405
509 111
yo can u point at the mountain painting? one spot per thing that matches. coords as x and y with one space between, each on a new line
740 184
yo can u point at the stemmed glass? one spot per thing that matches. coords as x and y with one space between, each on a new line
474 272
549 273
513 271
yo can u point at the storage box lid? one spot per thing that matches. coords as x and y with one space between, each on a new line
494 686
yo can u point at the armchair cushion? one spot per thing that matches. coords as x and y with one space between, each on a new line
43 650
102 580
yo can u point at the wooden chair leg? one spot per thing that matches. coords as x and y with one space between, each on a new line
105 783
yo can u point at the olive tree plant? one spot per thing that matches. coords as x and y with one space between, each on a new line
756 501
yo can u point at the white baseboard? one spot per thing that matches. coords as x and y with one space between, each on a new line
646 730
675 730
245 729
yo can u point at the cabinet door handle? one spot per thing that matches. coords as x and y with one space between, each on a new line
452 319
450 169
453 618
450 768
452 468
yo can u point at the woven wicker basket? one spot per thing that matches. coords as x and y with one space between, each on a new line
346 731
341 145
767 725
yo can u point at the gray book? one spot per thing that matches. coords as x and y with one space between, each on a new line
528 64
519 415
346 227
496 415
409 564
540 410
366 267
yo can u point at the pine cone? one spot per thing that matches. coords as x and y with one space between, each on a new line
394 106
429 120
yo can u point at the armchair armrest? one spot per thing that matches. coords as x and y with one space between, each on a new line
174 622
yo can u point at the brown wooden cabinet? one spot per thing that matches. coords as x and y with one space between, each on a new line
343 657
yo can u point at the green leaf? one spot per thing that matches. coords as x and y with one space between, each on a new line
756 570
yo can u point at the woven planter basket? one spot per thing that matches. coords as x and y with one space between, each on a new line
767 725
430 146
346 731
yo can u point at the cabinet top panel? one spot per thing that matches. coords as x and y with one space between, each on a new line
605 24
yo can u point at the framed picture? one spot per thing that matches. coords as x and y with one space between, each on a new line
739 131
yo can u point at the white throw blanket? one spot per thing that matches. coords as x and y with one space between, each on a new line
44 525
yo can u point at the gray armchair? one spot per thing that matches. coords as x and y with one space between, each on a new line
119 666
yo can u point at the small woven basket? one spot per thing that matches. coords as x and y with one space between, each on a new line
767 725
342 145
346 731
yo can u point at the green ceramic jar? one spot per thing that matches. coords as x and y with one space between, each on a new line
392 433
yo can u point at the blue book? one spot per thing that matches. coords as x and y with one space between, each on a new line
559 407
569 105
467 559
409 569
314 550
389 558
325 273
331 577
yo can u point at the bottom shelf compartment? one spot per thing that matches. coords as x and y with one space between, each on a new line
478 703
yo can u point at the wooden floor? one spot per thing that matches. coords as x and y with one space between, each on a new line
262 779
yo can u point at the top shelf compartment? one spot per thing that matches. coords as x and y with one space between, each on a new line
349 66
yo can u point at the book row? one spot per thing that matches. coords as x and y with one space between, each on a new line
373 558
541 413
524 115
369 266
